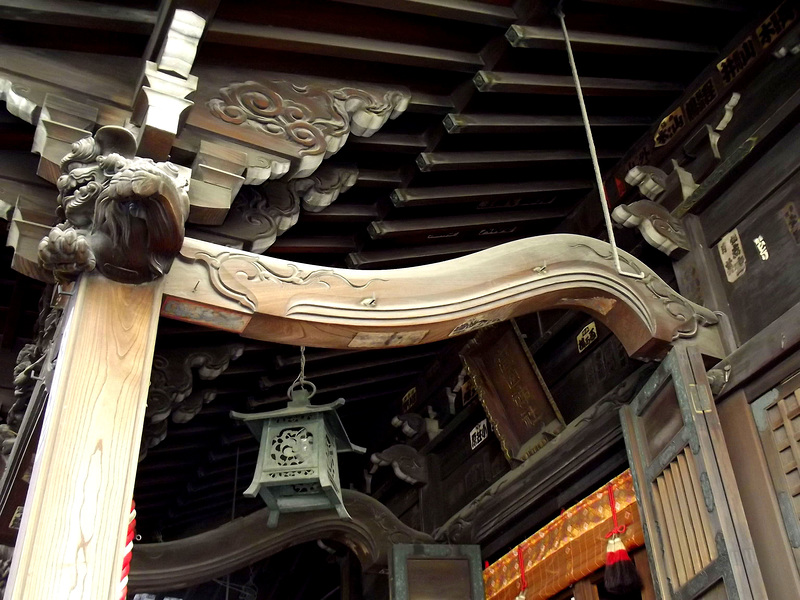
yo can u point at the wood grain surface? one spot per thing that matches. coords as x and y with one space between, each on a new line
71 540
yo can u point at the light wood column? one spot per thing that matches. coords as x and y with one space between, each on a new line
70 544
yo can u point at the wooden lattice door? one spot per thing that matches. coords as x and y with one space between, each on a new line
777 417
697 537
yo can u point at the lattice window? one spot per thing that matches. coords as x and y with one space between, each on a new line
688 543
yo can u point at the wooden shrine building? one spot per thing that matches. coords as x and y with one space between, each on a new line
390 209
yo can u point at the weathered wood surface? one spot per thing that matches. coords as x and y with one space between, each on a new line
275 300
193 560
764 350
525 496
71 540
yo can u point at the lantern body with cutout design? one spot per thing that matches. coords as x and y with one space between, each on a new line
298 467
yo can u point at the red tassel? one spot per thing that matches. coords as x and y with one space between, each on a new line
620 574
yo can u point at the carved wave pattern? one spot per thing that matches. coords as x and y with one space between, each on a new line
690 316
230 274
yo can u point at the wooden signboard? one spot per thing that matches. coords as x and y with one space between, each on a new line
519 405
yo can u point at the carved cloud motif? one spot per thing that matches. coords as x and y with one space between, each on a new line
316 118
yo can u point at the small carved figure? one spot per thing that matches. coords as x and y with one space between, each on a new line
122 215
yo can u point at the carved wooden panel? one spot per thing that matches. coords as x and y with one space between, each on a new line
260 214
511 389
309 120
777 416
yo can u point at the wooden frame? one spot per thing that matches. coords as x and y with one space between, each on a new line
521 410
399 581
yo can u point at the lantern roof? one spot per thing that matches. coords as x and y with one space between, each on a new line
300 405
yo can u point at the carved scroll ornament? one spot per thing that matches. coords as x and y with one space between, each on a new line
200 558
260 214
316 119
171 387
406 462
287 302
122 215
659 229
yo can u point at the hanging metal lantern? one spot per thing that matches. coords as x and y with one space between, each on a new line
298 467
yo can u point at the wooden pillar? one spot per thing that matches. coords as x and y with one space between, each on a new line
71 541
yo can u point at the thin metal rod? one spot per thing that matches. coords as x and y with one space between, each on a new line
593 153
233 516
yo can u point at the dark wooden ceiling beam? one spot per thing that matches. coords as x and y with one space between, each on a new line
399 257
463 194
458 10
391 142
343 213
526 36
530 83
429 103
459 161
312 355
679 5
269 381
286 39
355 383
446 226
336 244
526 124
379 177
75 13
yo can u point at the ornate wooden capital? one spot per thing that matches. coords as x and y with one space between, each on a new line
122 215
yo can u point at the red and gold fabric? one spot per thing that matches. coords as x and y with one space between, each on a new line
569 547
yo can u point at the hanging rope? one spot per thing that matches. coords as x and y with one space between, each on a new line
618 529
593 153
300 380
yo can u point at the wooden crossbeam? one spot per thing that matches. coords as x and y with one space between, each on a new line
275 300
447 227
457 161
680 5
528 36
76 13
463 194
530 83
526 124
458 10
331 44
397 257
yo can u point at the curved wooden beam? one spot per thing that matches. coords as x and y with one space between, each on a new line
200 558
275 300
